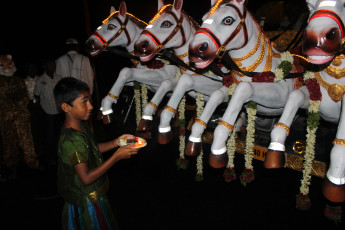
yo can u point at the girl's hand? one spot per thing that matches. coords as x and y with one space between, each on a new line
125 152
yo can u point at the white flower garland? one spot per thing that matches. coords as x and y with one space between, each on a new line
249 149
143 95
310 143
231 146
199 108
137 104
279 73
181 112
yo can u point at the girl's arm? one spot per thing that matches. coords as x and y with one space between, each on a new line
89 176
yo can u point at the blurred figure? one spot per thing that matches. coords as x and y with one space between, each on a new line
31 76
75 64
51 120
15 128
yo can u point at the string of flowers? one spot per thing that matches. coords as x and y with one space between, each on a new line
302 200
137 102
279 73
229 173
182 162
333 213
143 96
199 108
247 175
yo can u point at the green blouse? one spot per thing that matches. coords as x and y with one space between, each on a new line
77 147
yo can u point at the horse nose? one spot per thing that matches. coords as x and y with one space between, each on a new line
332 34
90 43
144 44
203 47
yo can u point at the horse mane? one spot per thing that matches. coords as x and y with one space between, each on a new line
140 23
191 19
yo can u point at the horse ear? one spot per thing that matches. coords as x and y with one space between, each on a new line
178 5
123 8
213 2
160 4
311 5
112 9
241 2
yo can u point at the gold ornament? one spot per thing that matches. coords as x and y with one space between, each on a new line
335 91
287 129
299 146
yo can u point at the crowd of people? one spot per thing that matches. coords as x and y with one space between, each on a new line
44 121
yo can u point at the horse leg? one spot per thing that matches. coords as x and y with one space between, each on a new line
275 157
334 185
146 122
193 146
184 84
218 157
113 95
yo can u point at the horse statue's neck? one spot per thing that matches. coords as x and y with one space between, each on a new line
259 52
189 32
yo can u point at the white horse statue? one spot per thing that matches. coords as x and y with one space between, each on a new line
123 29
229 26
322 96
173 28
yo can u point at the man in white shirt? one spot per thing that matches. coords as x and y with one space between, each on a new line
74 64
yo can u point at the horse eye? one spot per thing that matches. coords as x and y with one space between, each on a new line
166 24
228 21
111 27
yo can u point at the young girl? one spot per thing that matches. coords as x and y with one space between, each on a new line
82 179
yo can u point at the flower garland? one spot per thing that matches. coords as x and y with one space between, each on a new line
143 96
283 69
137 102
302 200
247 175
334 213
279 73
229 173
182 162
199 108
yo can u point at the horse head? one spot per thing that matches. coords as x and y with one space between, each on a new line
226 17
169 28
118 29
324 35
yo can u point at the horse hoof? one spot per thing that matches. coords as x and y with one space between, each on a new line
165 138
274 159
192 148
106 119
144 125
218 161
334 193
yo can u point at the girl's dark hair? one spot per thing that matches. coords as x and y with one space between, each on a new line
67 90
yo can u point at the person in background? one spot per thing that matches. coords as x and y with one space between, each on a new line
82 178
31 75
74 64
15 128
51 121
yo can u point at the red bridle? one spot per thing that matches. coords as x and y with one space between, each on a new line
241 25
329 14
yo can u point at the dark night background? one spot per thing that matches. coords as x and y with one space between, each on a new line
148 191
35 29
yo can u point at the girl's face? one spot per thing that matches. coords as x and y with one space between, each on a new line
82 107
